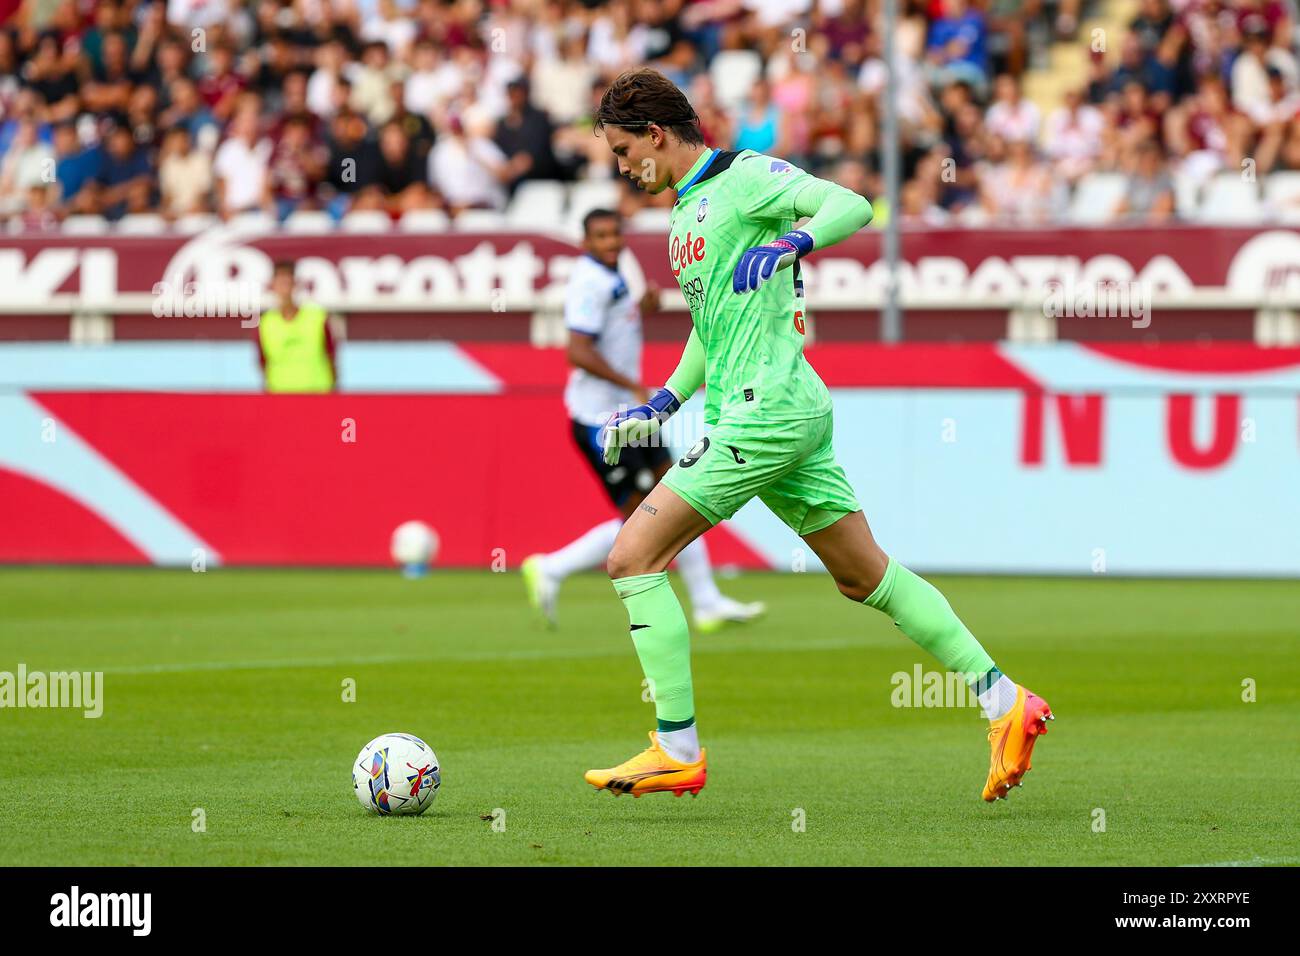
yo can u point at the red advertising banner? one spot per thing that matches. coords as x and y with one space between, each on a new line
1181 459
462 270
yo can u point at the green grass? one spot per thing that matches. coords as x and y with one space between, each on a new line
224 692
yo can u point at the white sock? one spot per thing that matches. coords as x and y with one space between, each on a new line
588 551
696 571
998 700
682 745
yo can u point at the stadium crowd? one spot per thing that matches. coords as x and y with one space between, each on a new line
110 107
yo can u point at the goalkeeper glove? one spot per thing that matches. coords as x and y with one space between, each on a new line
760 263
632 425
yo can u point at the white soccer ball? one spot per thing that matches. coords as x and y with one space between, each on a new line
414 544
396 774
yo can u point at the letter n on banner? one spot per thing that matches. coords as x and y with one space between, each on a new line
1080 417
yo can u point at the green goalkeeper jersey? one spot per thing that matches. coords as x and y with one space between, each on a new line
755 368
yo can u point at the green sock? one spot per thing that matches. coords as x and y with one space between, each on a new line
663 643
925 616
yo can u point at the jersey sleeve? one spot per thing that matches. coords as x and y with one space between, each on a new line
772 187
784 193
689 374
586 303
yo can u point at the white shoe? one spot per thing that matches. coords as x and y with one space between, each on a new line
726 611
543 590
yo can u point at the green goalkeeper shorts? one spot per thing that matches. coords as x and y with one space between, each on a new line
789 466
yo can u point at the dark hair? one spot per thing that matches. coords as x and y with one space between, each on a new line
283 265
595 214
638 98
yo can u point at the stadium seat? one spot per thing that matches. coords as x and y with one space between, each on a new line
1230 199
141 224
195 222
1282 197
480 220
537 203
591 194
85 225
424 220
653 219
308 222
253 221
366 221
1187 194
1096 196
734 73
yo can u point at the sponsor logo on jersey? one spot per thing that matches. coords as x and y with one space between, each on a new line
683 253
779 166
702 209
692 456
693 292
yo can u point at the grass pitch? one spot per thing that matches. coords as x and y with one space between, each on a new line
224 692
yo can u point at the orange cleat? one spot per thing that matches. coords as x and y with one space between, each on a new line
651 771
1011 738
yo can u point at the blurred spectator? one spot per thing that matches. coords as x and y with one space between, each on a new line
241 166
188 110
221 85
38 212
1149 195
1251 89
184 175
51 78
321 87
10 82
372 85
28 163
1073 136
389 26
1009 24
1011 116
1274 118
275 65
432 81
1153 21
296 168
400 175
524 136
293 107
1205 133
1018 188
468 169
353 160
75 167
957 44
416 126
616 41
758 123
109 86
170 65
125 180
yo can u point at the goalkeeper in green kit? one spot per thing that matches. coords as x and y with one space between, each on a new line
735 253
